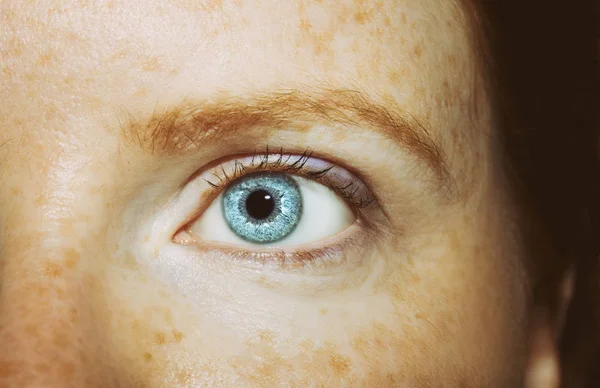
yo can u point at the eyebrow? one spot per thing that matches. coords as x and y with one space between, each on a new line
185 127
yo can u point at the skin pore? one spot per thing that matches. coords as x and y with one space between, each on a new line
98 288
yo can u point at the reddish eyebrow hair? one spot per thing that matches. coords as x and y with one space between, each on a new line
182 129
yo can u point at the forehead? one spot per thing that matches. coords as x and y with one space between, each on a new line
140 54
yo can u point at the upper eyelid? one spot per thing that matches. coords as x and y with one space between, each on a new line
294 163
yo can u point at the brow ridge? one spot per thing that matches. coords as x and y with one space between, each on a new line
186 126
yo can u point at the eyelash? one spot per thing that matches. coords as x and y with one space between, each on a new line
314 259
350 190
344 183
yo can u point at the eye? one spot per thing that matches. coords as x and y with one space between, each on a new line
273 209
276 201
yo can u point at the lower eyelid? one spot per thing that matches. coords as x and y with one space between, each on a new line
332 253
185 268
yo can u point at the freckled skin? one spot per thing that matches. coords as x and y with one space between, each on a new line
444 301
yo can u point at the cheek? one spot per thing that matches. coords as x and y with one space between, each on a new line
441 309
464 289
44 317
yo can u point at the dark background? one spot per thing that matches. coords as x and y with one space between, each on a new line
545 59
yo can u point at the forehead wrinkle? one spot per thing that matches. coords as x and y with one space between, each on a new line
184 128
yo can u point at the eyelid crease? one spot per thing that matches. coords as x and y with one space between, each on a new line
344 183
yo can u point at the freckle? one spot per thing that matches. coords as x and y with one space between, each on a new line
455 244
148 356
67 370
212 5
61 339
38 289
184 376
468 219
177 335
150 64
378 32
135 326
16 191
266 336
71 258
168 316
264 282
410 262
45 58
31 329
69 81
40 200
402 17
395 77
129 261
360 17
52 270
60 292
159 338
305 26
141 92
43 368
414 278
306 346
74 314
339 363
418 51
7 72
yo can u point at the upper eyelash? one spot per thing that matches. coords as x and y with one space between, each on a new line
263 162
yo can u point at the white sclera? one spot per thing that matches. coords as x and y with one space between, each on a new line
324 214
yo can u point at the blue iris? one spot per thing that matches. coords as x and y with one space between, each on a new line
263 208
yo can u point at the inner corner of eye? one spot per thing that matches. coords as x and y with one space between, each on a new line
183 237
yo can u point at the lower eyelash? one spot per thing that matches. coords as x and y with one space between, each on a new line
305 165
343 253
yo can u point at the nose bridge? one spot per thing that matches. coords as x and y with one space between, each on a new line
43 320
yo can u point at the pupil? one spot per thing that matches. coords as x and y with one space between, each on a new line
260 204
